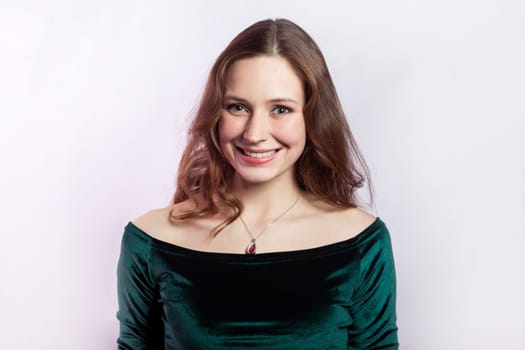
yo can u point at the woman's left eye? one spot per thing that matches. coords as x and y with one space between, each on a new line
281 110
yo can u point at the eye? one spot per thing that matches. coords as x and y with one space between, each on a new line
236 109
281 110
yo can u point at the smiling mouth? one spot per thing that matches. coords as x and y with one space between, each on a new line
265 154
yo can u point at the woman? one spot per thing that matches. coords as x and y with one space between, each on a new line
264 246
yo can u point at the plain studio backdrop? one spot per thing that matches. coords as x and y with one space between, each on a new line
95 99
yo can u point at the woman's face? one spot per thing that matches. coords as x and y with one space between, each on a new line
262 129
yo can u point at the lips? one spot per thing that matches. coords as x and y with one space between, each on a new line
257 156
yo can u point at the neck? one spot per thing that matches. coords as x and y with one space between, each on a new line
265 201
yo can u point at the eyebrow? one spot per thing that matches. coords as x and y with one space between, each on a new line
273 100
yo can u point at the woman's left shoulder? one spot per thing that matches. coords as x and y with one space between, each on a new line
358 216
339 224
355 221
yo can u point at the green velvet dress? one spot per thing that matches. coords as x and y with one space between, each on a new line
338 296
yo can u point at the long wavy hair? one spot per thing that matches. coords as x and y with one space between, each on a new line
331 167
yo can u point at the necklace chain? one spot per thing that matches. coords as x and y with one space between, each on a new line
251 247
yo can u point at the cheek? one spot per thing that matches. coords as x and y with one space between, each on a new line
293 132
227 129
220 130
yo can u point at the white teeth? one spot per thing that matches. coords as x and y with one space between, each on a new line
260 155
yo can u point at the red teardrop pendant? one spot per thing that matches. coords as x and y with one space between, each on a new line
250 248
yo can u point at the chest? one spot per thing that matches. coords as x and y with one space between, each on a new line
267 305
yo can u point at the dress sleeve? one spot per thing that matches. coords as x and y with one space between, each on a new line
137 308
373 305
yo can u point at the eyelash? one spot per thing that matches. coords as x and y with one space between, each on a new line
288 110
231 107
235 105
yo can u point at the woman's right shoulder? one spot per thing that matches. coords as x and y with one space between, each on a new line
156 222
159 224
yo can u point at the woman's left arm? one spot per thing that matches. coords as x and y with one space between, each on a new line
373 305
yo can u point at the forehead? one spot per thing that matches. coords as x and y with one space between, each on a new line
264 77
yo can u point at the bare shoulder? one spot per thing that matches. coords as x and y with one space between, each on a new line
189 232
359 217
338 224
351 222
153 221
157 223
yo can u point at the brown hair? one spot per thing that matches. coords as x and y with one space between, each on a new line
330 168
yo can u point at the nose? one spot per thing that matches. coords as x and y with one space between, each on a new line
256 128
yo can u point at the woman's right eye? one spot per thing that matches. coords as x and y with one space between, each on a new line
236 108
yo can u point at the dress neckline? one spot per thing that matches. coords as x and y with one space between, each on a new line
328 249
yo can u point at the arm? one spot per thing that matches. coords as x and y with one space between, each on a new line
373 307
138 313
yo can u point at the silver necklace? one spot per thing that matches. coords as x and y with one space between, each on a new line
252 246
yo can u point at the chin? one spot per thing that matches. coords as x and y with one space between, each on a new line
255 179
260 178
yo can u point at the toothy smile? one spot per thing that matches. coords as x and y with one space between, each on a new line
258 154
